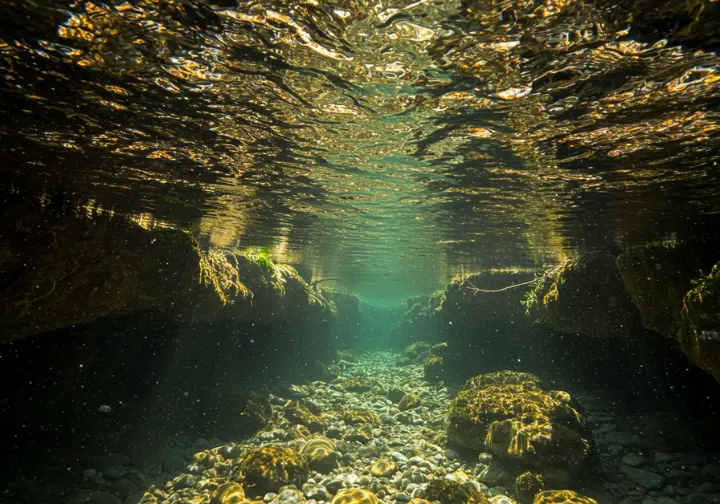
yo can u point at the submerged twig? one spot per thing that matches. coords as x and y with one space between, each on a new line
475 290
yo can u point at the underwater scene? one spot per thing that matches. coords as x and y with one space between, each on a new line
360 252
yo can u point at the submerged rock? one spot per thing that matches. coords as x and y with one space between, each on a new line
452 492
229 493
268 468
409 401
522 424
321 453
434 369
527 486
355 496
676 298
564 496
383 467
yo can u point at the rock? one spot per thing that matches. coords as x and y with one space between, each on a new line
395 394
174 463
451 454
564 496
434 369
399 457
123 488
492 473
289 496
661 458
100 497
268 468
633 459
409 401
360 417
296 412
645 479
362 434
627 440
440 350
712 472
314 491
521 423
321 454
451 492
383 467
335 484
501 499
355 496
114 473
527 486
229 493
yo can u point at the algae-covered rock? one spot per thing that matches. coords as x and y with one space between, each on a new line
562 497
522 424
395 394
321 453
586 296
268 468
383 467
504 377
60 268
229 493
417 352
237 416
361 416
440 350
677 292
409 401
527 486
472 301
298 413
355 496
434 369
452 492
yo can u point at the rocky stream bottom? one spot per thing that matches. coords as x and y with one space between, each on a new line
382 432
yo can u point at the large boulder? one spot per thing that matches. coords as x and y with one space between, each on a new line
520 423
586 296
60 267
677 292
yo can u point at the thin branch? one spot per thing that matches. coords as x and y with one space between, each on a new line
475 290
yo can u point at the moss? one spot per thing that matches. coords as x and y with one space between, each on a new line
355 496
545 288
452 492
505 377
562 497
434 369
409 401
321 453
229 493
298 413
527 486
268 468
520 423
383 467
361 416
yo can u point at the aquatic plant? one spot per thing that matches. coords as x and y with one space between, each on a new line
220 270
546 281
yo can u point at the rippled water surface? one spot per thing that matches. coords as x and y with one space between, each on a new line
389 144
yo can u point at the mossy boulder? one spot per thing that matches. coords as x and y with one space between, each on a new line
409 401
268 468
586 296
527 486
299 413
417 352
354 496
60 268
521 424
360 417
421 320
677 292
383 467
562 497
434 369
440 350
452 492
395 394
321 454
504 377
467 305
229 493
